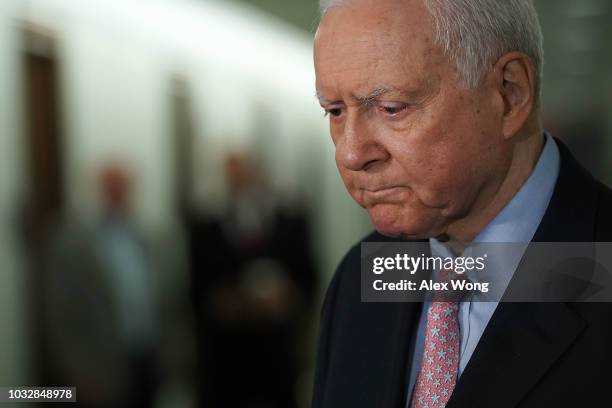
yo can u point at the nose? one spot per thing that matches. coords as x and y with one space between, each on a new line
357 147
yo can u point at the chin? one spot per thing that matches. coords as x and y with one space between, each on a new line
402 225
402 234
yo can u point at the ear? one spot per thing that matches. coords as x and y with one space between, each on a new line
515 78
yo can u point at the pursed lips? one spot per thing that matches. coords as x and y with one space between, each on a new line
378 189
383 193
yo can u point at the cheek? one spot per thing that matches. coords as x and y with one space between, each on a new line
440 182
471 162
428 164
442 166
348 180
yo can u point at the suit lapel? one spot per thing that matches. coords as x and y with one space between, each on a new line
523 340
520 344
379 358
402 346
407 324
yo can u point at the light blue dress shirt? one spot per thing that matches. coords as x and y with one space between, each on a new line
516 223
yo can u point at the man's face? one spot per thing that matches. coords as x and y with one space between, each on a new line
413 146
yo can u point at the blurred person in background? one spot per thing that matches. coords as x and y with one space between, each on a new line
102 306
253 280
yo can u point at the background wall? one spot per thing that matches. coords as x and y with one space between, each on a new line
13 341
250 85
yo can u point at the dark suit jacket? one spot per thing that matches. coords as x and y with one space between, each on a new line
530 355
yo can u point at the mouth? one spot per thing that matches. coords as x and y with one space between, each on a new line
383 195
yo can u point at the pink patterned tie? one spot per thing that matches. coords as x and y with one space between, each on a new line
438 374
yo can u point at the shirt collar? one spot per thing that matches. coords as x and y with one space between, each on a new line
519 219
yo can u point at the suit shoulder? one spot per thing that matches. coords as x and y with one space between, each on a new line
351 264
353 255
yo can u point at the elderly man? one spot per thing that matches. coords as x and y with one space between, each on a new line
434 111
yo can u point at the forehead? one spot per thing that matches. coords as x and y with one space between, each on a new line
372 41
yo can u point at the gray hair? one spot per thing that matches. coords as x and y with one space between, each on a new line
474 34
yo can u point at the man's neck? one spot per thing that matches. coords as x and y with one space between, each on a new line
526 152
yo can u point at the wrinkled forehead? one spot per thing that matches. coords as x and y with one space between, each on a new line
376 38
393 21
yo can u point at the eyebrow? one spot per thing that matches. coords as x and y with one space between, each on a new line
373 96
368 99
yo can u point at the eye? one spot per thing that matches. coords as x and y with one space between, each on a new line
393 109
333 111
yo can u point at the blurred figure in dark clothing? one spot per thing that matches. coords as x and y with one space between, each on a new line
253 280
102 313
